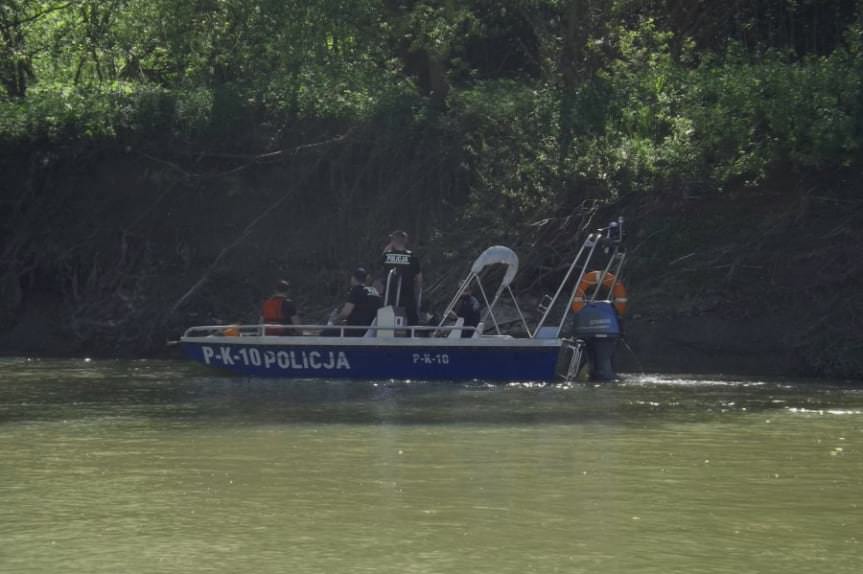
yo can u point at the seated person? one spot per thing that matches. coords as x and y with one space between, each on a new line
468 308
361 307
427 318
279 309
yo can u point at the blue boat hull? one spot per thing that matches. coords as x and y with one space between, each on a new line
410 361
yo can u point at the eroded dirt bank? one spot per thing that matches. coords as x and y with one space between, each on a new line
113 252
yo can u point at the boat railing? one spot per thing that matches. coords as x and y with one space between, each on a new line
332 331
609 239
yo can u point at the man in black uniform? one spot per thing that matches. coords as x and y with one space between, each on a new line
362 305
397 256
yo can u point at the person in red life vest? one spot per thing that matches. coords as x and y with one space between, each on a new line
280 309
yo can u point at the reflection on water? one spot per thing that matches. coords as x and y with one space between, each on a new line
161 467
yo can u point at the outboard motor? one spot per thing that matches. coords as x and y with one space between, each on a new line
597 327
591 322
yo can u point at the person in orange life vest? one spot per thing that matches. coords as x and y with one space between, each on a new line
362 305
407 265
280 309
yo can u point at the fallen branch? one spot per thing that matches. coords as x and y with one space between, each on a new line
214 265
251 159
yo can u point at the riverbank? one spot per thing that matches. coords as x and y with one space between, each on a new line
752 284
113 253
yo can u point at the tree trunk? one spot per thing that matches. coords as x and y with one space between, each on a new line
573 72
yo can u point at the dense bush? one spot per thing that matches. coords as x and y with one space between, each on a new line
713 120
589 101
69 113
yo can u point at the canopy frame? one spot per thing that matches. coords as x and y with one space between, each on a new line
495 255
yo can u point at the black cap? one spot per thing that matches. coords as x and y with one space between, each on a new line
360 274
399 234
283 285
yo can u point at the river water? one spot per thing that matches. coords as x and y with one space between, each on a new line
140 467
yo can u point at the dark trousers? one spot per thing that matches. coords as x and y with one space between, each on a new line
408 302
411 313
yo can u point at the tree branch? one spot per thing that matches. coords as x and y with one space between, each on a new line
252 159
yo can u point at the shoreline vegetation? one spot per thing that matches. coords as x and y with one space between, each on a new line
162 163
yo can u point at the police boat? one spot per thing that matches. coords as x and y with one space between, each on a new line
579 326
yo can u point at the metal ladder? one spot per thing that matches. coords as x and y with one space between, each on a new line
576 347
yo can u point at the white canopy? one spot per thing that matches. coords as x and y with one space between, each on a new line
497 255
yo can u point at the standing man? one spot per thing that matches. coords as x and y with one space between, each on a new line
408 273
362 305
280 309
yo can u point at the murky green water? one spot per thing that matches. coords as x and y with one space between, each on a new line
159 467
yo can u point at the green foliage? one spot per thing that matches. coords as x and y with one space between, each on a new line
549 99
511 148
103 113
728 119
751 116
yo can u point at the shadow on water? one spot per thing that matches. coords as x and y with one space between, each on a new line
167 393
